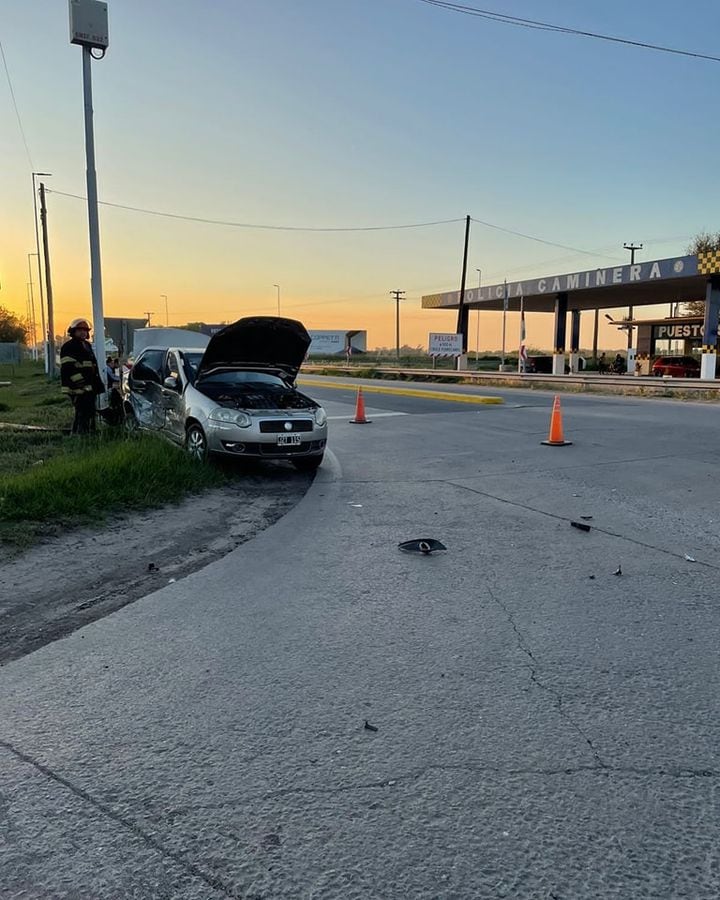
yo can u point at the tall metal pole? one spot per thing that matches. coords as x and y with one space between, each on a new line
278 297
167 320
632 248
505 308
477 335
93 219
462 322
48 285
46 342
32 308
595 335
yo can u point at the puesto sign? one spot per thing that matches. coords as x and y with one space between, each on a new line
678 331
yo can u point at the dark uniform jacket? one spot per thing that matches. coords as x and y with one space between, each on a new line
79 373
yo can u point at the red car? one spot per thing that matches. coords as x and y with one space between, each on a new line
677 366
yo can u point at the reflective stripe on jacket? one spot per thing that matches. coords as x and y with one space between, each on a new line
79 373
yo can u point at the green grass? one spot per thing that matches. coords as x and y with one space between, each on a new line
95 478
31 399
50 480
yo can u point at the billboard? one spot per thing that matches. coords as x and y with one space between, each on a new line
337 343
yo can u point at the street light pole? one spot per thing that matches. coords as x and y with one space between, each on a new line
167 320
278 296
32 308
93 217
477 335
46 339
89 29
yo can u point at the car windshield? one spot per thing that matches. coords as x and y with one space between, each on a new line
192 361
235 377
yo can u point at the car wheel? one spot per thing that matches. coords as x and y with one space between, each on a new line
196 443
308 464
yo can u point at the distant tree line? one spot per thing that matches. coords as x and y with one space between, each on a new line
13 329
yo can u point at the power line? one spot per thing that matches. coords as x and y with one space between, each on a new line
17 111
519 22
302 228
255 225
531 237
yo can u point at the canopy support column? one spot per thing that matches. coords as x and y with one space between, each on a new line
574 341
710 328
561 304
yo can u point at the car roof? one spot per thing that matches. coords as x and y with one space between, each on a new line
165 348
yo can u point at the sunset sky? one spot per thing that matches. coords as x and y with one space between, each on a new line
353 114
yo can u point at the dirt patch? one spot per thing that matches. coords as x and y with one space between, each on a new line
67 581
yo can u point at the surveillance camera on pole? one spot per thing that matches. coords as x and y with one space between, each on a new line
89 29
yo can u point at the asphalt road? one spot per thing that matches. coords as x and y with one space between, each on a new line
546 728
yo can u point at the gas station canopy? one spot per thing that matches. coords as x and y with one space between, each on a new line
678 279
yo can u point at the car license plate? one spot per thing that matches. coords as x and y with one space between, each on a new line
292 439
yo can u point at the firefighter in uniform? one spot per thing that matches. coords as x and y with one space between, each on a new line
80 376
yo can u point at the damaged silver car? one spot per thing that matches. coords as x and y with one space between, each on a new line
236 398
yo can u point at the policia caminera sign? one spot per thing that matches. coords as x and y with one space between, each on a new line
638 273
680 277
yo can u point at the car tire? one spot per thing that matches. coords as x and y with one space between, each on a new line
308 463
196 442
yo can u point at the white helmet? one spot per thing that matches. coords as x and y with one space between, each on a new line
77 322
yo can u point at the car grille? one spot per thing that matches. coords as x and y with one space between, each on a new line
277 426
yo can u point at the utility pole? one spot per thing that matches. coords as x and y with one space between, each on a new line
46 344
632 248
398 296
167 320
48 286
463 312
147 315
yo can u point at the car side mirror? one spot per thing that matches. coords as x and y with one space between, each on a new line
171 382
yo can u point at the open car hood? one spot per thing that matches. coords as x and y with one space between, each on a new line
257 342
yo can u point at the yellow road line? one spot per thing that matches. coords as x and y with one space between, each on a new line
405 392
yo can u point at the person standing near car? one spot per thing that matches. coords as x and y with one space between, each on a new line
80 376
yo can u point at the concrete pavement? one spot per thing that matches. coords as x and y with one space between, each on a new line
546 728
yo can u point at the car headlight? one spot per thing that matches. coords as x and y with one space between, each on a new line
230 416
320 416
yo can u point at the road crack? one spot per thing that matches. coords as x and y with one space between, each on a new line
186 865
532 665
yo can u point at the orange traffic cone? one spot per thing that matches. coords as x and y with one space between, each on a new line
360 410
555 438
